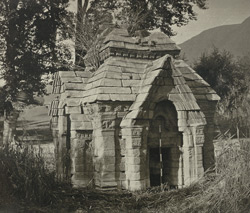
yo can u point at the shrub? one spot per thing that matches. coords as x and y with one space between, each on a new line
27 176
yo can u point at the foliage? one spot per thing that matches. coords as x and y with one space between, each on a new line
244 66
150 14
26 175
29 31
226 76
95 15
91 18
162 14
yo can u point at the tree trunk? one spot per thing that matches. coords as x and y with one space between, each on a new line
81 12
238 132
11 50
10 123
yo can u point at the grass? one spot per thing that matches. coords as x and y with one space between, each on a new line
25 176
227 189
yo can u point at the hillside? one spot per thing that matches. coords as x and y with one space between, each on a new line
34 123
233 38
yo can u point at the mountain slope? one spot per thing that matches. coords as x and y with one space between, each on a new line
233 38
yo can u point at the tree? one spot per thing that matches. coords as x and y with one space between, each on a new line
135 14
229 78
224 74
162 14
29 30
90 17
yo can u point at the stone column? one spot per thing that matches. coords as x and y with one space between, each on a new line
181 169
62 154
81 158
188 158
208 108
198 144
105 149
176 162
136 158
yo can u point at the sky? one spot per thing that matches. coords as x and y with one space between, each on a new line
219 12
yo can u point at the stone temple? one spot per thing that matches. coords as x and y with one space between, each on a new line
142 118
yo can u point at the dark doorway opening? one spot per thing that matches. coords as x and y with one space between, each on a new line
164 140
160 170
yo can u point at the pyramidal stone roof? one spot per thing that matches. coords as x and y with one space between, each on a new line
119 43
130 67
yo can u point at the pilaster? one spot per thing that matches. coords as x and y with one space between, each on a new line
136 158
105 149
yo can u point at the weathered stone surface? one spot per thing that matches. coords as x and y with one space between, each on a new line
122 166
72 102
134 160
108 184
136 176
79 117
71 94
131 169
122 177
114 75
72 79
132 131
122 97
213 97
133 142
74 86
67 73
136 185
81 125
131 82
108 176
133 152
112 90
72 110
110 152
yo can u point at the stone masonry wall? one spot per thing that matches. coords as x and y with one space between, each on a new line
208 108
108 147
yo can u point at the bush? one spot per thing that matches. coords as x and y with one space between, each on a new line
26 175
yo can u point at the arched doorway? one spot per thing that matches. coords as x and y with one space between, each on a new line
164 140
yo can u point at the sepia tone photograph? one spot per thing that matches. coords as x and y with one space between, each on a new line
125 106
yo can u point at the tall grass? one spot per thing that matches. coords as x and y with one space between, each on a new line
25 174
233 177
225 190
